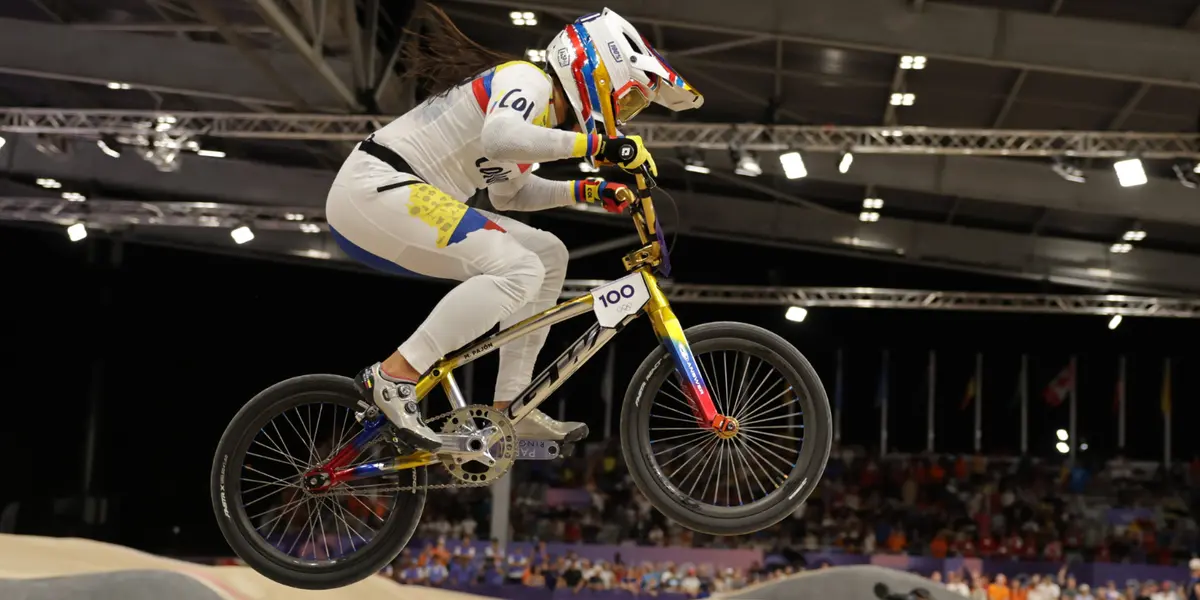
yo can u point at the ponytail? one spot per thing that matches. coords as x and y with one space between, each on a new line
441 57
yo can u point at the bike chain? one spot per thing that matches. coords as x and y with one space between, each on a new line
414 487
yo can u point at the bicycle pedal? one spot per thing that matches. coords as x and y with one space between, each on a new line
538 450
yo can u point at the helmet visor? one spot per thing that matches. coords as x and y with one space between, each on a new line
630 100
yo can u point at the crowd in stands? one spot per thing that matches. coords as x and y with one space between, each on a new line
977 586
939 506
438 566
918 505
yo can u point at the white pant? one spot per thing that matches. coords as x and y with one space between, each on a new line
509 271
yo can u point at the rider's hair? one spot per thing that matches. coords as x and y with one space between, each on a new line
441 57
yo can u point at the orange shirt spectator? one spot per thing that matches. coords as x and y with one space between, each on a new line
998 590
1020 593
937 473
938 547
896 541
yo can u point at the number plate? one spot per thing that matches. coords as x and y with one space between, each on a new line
618 299
537 450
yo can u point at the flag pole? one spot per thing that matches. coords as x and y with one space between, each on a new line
1023 381
978 402
1072 434
929 427
1166 411
1121 403
837 400
883 407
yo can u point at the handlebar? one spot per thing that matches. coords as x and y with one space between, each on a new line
641 205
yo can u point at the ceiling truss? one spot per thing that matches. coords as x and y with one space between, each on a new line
709 136
115 215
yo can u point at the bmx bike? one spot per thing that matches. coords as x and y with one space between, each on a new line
725 428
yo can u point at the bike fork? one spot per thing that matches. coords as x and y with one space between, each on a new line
670 334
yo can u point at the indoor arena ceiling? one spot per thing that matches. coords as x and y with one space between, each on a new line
1095 65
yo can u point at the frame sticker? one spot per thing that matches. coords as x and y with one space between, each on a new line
618 299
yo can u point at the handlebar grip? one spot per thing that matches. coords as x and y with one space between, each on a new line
625 195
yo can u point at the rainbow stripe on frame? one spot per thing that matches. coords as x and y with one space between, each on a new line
673 340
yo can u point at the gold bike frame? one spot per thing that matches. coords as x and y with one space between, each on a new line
662 318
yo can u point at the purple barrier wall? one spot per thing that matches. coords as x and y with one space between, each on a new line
520 592
631 554
1093 573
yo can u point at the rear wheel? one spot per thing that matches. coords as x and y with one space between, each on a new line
301 538
740 484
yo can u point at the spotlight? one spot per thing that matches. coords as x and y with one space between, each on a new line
1186 175
50 184
522 18
211 153
696 165
899 99
873 203
867 216
242 234
536 55
73 197
1134 235
310 228
1130 172
1068 170
793 165
747 165
844 164
116 85
1114 322
77 232
1062 435
915 63
1120 248
796 314
106 148
1062 448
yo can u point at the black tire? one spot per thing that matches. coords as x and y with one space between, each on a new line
776 505
226 483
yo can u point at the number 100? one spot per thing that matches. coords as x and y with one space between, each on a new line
614 296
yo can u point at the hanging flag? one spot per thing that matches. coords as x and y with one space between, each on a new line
1165 401
1058 389
969 395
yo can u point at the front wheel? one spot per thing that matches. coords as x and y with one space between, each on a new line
744 482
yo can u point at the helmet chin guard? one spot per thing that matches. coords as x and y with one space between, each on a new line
610 73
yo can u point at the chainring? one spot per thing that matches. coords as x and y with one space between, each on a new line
503 444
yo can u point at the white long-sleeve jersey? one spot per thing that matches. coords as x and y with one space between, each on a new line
487 133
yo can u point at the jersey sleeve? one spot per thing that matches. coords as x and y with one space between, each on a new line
528 192
516 101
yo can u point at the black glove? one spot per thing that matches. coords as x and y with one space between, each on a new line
627 152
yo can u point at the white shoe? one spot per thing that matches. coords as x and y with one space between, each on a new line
538 426
398 400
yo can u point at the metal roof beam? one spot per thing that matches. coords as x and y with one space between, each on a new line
709 136
1004 38
162 63
1022 183
1002 253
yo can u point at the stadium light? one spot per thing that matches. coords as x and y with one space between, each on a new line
845 162
242 234
796 314
1062 435
793 165
1130 172
1062 447
1114 321
77 232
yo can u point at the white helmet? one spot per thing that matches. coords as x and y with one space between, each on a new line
610 73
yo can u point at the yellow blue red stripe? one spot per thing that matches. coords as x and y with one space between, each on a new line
472 220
